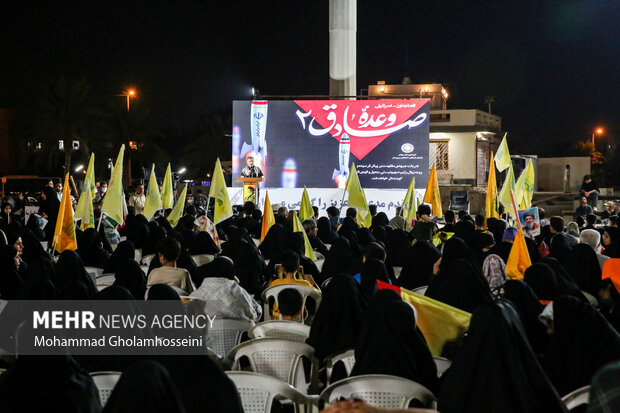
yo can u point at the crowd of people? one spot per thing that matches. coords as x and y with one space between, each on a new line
530 341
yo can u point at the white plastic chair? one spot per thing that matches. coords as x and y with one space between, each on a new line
319 263
420 290
138 256
202 259
105 382
146 260
258 392
379 390
225 334
104 281
577 398
94 273
3 304
397 271
272 292
288 330
279 358
442 364
347 358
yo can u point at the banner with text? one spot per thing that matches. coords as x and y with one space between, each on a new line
313 142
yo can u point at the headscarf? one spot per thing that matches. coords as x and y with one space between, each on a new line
156 234
465 230
560 247
130 275
145 386
124 250
572 229
50 206
497 227
482 240
543 281
91 251
10 280
162 292
584 269
338 258
325 231
581 343
372 270
613 249
390 343
454 249
274 242
249 264
510 234
115 292
397 247
220 267
494 270
47 383
339 318
69 270
460 285
496 370
529 308
380 219
566 285
418 268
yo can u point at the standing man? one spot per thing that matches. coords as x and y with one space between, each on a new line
251 171
138 199
590 190
103 187
567 179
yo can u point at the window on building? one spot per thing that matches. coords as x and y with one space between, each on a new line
438 155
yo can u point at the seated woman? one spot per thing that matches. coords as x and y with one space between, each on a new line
390 343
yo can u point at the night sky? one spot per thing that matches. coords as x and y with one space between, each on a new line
553 66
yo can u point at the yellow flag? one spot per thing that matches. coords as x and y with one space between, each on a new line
305 210
114 199
64 232
153 198
167 198
357 198
439 322
219 193
528 187
84 209
520 186
504 194
409 204
268 218
519 258
177 212
491 205
502 157
297 227
432 195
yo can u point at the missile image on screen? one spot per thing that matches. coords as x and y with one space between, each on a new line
258 126
289 174
344 149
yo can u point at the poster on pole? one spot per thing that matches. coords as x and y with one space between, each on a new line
530 220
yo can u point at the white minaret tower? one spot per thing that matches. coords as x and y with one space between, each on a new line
342 47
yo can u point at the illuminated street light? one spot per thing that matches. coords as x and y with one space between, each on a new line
181 171
130 93
597 131
79 168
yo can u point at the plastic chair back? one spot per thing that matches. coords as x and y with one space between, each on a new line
442 364
105 382
272 293
577 398
202 259
347 358
225 334
288 330
279 358
379 390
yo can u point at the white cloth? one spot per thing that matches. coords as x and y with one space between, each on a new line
226 299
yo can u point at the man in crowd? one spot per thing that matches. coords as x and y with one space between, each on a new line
592 238
138 199
583 209
168 250
101 191
590 190
311 231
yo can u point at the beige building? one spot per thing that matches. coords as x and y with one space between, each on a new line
461 140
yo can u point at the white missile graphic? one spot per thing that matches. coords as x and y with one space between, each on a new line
344 150
258 126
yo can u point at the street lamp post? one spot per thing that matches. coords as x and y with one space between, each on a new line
597 131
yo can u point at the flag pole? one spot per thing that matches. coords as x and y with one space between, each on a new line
100 218
514 205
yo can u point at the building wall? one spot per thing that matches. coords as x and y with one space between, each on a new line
550 176
461 154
